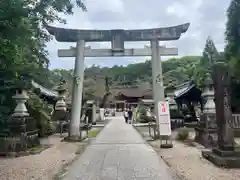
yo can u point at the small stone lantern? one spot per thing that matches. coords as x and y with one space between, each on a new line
21 98
208 95
169 91
61 104
60 113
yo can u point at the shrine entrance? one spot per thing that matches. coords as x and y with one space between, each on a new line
117 39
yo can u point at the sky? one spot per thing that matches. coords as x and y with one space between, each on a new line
206 18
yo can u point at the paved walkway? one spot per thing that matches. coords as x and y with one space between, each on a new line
119 153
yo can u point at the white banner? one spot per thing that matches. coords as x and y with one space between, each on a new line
164 118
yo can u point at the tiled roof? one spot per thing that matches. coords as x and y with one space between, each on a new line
132 92
184 88
44 90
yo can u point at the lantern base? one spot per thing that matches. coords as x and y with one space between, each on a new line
225 159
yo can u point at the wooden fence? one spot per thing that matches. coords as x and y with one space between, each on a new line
235 121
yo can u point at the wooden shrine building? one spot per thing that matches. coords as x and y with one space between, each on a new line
122 98
187 96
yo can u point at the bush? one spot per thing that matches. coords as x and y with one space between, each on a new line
93 133
145 119
51 128
182 134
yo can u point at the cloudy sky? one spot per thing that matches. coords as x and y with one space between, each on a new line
207 18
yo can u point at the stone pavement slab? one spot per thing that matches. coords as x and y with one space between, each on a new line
119 153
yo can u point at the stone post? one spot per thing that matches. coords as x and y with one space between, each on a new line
94 113
74 131
101 112
223 107
225 154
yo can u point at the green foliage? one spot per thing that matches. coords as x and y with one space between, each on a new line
22 51
233 31
177 69
99 80
40 111
205 64
93 133
142 115
232 49
182 134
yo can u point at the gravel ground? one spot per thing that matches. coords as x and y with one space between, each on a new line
41 166
189 164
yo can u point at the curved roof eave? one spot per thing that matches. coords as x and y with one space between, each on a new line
90 35
44 90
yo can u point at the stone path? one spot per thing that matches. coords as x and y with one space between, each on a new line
119 153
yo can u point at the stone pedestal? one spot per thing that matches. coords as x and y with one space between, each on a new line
23 134
206 130
222 158
91 111
225 155
94 114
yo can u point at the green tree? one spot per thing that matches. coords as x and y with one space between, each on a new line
23 40
233 29
206 61
232 34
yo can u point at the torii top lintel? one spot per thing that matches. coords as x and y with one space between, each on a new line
161 34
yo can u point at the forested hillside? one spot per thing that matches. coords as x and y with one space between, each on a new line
178 70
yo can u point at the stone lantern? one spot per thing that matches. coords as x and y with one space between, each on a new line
61 104
60 113
23 133
21 98
169 96
206 132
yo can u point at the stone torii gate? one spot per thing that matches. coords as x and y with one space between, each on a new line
117 38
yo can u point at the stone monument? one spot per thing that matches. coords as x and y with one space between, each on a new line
117 38
225 155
